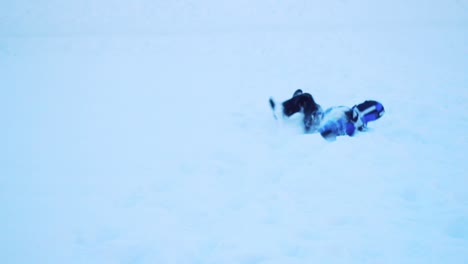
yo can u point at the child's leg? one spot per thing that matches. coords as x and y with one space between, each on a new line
301 102
295 104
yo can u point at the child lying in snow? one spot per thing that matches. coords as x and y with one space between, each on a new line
335 121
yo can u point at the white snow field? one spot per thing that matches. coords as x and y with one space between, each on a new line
140 132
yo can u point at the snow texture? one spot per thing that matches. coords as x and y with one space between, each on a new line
140 132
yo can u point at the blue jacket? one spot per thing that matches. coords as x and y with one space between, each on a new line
342 120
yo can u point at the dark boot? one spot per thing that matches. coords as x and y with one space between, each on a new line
297 92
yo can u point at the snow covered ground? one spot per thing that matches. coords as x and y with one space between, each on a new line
141 133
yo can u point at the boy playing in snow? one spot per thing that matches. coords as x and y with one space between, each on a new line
335 121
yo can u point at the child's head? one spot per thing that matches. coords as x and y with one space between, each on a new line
367 111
